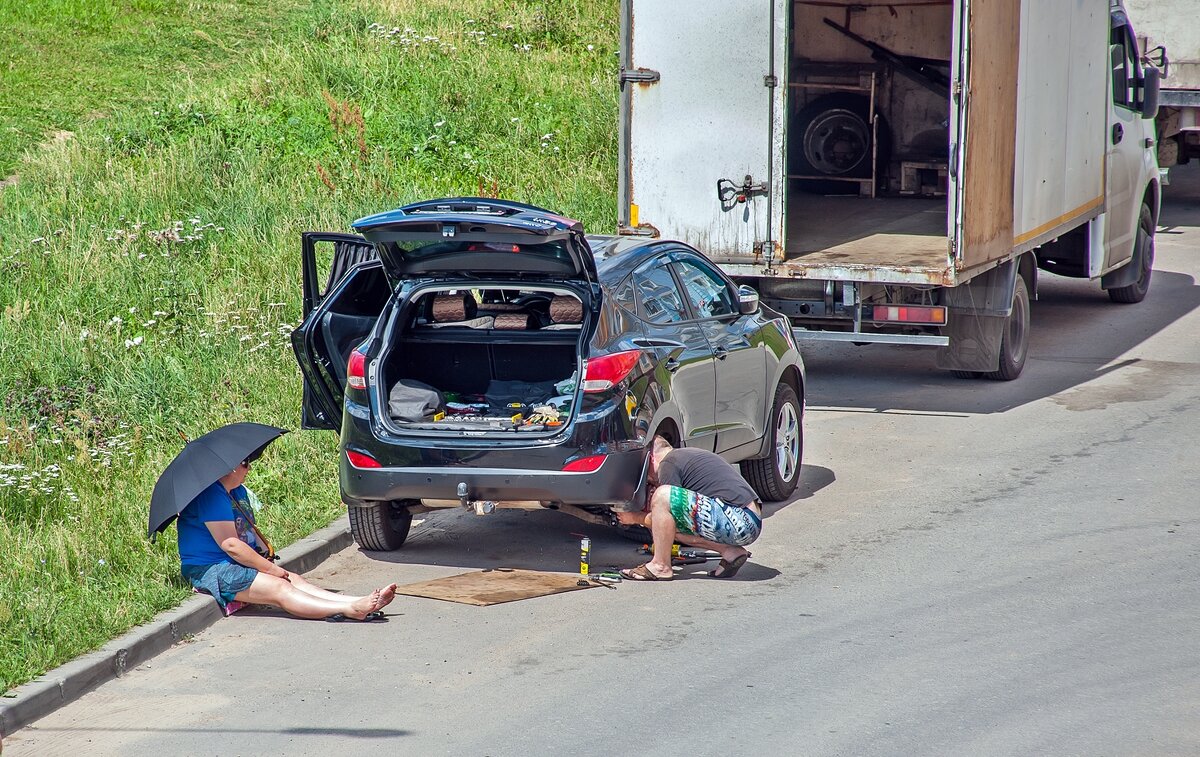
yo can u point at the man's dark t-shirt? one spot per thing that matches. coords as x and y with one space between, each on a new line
705 473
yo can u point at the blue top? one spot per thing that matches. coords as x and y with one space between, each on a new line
196 543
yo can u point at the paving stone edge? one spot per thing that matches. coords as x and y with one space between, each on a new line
69 681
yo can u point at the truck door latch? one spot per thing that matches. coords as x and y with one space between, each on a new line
638 75
731 194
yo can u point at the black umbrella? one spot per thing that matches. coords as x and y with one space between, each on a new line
201 462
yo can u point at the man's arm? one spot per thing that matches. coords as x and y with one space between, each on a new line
225 534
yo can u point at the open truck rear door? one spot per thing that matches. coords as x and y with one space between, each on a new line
710 176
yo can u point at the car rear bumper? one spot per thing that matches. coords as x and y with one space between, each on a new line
618 483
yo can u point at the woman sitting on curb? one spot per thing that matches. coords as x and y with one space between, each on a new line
217 558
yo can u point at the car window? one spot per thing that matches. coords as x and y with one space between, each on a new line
1124 68
658 299
622 294
708 294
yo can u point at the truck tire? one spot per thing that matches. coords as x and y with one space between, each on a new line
775 476
382 526
831 136
1014 345
1143 258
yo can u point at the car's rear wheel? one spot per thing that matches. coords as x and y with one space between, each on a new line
381 526
774 477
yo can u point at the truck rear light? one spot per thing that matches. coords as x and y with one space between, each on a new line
589 464
361 459
605 372
934 315
356 370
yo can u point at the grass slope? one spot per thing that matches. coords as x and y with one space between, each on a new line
149 266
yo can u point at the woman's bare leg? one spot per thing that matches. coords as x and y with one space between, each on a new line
308 587
277 592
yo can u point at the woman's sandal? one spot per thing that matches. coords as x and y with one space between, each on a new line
729 568
642 573
339 617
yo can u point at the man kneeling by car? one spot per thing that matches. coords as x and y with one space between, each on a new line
699 500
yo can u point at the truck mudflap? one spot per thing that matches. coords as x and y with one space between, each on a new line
979 311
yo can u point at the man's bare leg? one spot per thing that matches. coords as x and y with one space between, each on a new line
662 528
278 592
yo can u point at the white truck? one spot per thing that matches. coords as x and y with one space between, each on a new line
1169 31
895 170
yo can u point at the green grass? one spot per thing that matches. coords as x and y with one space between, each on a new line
149 264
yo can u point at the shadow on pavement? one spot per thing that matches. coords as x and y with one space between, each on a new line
359 733
529 540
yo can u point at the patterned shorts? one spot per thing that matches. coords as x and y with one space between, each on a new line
712 519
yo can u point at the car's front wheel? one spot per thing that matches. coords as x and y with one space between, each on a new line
380 526
774 477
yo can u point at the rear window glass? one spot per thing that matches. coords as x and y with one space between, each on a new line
419 250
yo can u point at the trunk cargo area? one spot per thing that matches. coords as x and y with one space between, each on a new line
489 361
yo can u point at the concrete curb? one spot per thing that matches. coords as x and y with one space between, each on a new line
69 681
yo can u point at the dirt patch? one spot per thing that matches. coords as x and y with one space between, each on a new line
56 138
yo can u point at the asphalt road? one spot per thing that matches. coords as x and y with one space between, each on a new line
969 568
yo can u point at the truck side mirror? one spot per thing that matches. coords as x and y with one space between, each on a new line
747 300
1150 82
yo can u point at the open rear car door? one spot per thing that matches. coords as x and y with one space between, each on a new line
344 292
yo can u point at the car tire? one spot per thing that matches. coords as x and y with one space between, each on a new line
381 527
774 477
1014 344
1144 259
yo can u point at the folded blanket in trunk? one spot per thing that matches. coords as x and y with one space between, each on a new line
501 393
413 401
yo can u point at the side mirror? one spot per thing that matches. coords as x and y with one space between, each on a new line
747 300
1150 82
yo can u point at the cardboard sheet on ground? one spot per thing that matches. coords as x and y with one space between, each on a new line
492 587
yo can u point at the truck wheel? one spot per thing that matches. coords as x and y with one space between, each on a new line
774 477
1014 345
382 526
831 136
1143 258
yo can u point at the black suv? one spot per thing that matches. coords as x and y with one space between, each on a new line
484 353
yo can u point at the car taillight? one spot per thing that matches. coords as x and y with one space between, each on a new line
605 372
589 464
361 460
356 370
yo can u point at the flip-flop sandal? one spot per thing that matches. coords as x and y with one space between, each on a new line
642 573
729 568
339 617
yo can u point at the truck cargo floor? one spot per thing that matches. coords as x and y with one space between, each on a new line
828 234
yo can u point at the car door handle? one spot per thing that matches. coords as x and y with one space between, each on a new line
671 364
721 353
1118 133
653 343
